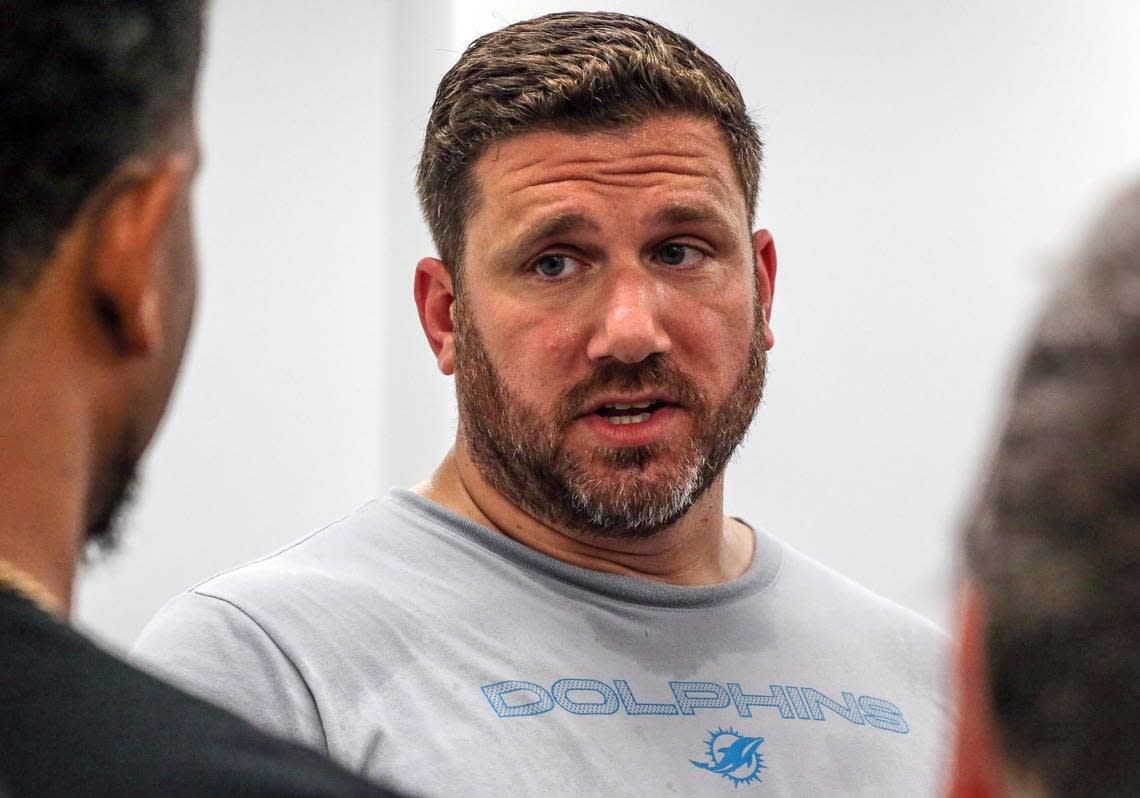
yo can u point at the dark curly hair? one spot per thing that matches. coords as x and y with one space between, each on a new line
84 84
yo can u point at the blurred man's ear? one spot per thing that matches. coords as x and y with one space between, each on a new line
125 236
976 768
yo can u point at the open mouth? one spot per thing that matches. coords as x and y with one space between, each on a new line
618 413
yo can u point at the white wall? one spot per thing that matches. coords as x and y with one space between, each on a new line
927 164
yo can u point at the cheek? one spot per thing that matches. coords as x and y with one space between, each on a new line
713 339
540 354
547 355
564 341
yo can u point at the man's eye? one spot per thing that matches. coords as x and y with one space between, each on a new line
556 266
678 255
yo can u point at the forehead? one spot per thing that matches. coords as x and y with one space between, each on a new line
667 159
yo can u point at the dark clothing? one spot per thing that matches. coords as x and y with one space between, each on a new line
76 721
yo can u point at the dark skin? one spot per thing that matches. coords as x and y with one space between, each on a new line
89 358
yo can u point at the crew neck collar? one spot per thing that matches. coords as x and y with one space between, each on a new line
761 572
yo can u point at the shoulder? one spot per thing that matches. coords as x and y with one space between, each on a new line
377 556
823 590
274 612
847 631
137 734
337 541
314 569
182 745
831 612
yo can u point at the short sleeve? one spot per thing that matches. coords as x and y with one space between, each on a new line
211 648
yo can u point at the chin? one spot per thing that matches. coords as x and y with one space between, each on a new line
636 499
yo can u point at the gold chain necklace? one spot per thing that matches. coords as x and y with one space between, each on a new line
20 582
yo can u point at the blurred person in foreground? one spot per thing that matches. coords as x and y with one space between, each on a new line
565 608
1048 658
97 285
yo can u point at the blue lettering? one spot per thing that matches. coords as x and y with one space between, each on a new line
883 714
515 698
564 687
632 707
496 695
798 702
745 701
699 695
814 699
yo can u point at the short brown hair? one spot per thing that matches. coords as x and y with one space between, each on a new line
1054 542
568 71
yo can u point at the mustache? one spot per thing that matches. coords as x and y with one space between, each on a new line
656 372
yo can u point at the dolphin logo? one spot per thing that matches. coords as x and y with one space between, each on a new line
733 756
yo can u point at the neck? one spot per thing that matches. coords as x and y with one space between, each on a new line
39 535
45 463
702 548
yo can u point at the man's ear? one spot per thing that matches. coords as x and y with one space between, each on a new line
976 767
127 227
765 249
435 300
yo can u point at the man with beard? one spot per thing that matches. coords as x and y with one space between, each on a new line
97 283
564 608
1049 635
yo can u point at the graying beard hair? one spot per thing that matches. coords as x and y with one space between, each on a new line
551 484
631 507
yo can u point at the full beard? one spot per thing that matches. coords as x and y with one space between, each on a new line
629 493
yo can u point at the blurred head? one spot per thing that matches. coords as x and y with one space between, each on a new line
97 272
590 181
1050 637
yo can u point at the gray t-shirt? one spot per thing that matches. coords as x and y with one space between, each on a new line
444 658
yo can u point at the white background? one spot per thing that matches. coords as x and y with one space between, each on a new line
928 165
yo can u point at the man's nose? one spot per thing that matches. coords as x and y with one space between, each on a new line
630 328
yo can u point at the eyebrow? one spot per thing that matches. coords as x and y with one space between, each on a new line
676 213
552 227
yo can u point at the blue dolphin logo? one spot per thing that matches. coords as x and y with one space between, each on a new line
733 756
